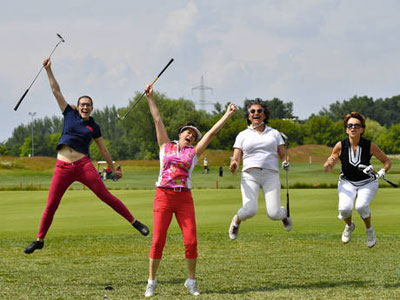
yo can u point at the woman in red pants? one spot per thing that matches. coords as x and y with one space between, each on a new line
73 162
173 195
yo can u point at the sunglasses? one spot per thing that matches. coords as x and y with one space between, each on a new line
85 104
258 111
355 126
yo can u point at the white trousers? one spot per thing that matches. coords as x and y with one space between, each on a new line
252 180
348 194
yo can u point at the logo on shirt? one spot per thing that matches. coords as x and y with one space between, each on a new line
90 128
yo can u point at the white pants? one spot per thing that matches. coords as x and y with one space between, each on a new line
268 180
349 192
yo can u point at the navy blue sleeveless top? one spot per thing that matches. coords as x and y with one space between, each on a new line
78 133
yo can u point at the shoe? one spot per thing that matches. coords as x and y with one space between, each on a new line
191 285
143 229
150 289
371 238
287 223
233 229
346 236
33 246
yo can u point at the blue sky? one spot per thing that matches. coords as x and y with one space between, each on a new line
309 52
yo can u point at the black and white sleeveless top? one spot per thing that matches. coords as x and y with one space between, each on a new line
351 160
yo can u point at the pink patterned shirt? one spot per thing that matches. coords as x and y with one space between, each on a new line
176 166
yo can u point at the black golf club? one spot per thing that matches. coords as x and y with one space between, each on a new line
362 167
285 138
140 98
27 90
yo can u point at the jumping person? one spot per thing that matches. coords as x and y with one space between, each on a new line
353 182
73 162
173 194
259 145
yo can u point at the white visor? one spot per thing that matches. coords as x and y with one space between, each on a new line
198 133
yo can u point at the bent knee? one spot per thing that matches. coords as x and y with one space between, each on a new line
244 214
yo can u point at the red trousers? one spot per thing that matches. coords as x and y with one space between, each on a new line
64 175
166 203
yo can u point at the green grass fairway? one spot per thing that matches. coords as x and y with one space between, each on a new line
90 247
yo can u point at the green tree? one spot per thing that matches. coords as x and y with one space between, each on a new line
373 130
292 129
323 131
389 142
3 150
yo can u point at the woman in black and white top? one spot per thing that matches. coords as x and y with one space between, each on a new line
354 181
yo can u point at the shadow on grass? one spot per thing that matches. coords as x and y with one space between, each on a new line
320 285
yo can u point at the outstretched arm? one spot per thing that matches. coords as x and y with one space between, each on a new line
331 161
55 88
162 136
107 157
206 140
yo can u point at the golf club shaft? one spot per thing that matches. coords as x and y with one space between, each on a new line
37 75
362 167
287 177
140 98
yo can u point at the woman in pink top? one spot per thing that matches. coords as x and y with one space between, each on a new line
173 195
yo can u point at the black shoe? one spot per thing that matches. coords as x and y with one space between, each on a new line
143 229
33 246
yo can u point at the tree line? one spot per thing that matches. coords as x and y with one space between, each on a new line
135 137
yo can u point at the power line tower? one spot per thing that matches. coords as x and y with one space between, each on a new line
202 89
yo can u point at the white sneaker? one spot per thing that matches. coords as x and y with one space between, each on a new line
346 236
371 238
287 223
150 289
233 229
191 285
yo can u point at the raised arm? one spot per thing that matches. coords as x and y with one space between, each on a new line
106 155
206 140
332 160
55 88
162 136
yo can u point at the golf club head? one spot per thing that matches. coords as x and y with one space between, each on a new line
285 137
60 37
361 167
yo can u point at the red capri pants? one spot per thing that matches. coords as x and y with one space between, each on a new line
167 202
64 175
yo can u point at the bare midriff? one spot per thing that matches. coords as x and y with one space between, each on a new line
67 154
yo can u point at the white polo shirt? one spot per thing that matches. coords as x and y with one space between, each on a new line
259 150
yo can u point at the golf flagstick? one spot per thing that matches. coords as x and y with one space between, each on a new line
37 75
140 98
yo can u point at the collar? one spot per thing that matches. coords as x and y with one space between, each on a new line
265 129
177 144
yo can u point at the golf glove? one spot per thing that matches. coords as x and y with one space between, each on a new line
381 173
285 165
369 170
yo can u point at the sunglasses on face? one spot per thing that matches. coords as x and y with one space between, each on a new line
258 111
355 126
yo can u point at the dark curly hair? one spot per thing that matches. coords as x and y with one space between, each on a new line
257 101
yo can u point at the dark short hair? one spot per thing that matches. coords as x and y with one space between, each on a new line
355 115
84 96
257 101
